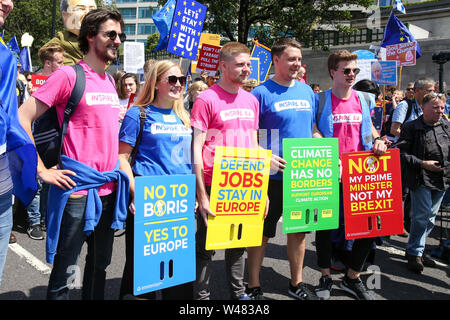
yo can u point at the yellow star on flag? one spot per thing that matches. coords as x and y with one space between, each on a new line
175 48
193 3
182 53
184 3
179 13
174 35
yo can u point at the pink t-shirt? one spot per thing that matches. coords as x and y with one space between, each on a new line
228 120
93 130
347 120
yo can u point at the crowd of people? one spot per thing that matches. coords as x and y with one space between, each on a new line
110 139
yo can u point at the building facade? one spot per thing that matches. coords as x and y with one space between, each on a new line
137 15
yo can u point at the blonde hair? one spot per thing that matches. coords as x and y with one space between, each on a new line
148 94
197 85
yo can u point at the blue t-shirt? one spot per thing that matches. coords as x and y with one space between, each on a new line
165 147
285 112
399 114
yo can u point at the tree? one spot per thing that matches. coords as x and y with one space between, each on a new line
152 41
34 17
270 20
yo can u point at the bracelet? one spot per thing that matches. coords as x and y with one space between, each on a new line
377 138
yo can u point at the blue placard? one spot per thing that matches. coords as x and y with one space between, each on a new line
384 72
164 232
187 26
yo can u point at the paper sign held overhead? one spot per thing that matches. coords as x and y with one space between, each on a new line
403 53
187 26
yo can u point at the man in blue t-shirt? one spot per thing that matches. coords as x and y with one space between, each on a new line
286 111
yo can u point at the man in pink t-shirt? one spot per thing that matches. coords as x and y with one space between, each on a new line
346 116
223 115
92 140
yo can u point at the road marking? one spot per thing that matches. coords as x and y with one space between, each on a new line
32 260
393 249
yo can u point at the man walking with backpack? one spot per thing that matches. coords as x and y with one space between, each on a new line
88 195
408 109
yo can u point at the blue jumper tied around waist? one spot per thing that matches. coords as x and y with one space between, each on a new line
88 179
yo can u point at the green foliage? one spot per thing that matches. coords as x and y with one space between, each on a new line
152 41
270 20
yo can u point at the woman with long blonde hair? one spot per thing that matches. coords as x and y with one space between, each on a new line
166 128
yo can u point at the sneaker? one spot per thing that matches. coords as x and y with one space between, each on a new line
255 293
302 292
356 288
427 261
244 296
35 232
337 265
415 263
323 291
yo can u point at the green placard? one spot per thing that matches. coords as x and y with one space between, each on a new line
310 184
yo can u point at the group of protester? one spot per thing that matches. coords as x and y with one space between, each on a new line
92 189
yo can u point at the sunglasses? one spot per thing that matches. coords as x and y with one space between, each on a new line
347 71
409 89
113 34
173 80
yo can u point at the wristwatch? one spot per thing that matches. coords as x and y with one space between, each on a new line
377 138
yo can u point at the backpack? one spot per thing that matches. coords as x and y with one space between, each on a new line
322 100
20 91
387 125
142 116
47 133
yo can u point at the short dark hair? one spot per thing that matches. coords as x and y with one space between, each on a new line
366 85
281 45
91 25
338 56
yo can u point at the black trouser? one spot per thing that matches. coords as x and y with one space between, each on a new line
324 246
183 291
356 258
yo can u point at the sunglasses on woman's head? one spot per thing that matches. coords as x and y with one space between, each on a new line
173 80
113 34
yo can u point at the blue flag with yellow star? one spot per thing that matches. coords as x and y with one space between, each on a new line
13 45
163 21
265 60
396 32
187 26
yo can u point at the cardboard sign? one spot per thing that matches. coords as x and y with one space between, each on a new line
37 81
238 197
403 53
209 58
372 189
187 26
164 232
208 38
310 184
384 72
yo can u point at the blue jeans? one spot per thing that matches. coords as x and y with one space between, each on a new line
100 243
34 208
425 204
6 223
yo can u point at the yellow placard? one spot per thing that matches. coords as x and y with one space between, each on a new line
207 38
238 197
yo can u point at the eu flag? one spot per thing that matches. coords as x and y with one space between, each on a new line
265 61
396 32
25 59
13 45
20 149
163 21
